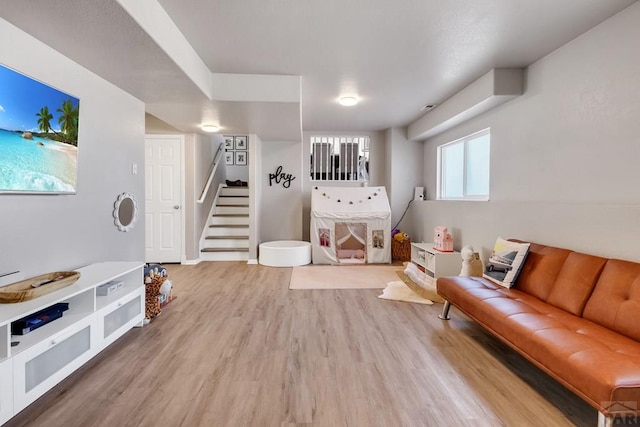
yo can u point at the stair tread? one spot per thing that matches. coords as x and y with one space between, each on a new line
230 215
229 225
224 250
227 237
234 195
233 206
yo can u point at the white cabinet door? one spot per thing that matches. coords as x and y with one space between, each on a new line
44 365
118 317
6 390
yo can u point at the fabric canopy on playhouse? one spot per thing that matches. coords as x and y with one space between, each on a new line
350 225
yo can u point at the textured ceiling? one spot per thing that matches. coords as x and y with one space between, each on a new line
395 55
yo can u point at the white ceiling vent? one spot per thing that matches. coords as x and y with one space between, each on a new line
427 107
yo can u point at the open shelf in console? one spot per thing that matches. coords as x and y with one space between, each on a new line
80 306
130 282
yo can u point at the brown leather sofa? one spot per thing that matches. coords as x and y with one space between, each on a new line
575 316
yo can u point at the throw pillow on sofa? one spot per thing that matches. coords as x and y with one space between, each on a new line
505 262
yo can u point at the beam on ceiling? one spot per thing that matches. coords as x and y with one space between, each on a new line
498 86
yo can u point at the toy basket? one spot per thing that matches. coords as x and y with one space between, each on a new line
401 251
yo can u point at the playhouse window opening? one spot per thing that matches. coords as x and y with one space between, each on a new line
340 158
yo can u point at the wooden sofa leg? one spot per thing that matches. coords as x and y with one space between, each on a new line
445 311
604 421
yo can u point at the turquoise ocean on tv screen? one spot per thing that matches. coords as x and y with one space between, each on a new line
37 164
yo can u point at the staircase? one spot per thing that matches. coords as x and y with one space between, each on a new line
227 234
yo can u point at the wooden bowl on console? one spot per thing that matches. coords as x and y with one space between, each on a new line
36 286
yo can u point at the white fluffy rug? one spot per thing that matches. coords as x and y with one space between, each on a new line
398 291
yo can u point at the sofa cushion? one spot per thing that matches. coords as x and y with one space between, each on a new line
540 271
589 359
600 364
615 300
575 282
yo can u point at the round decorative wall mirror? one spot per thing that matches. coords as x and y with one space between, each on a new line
125 211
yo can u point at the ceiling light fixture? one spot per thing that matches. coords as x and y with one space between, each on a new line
210 128
348 101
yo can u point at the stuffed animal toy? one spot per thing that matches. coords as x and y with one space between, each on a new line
154 271
157 289
471 264
401 237
165 288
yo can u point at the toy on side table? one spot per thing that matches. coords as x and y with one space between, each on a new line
157 289
442 240
471 263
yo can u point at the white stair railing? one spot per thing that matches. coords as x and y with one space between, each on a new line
214 167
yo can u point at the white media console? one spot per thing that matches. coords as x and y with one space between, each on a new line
44 357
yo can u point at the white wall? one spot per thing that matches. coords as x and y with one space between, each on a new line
281 206
255 197
199 154
377 172
153 125
404 172
41 233
564 156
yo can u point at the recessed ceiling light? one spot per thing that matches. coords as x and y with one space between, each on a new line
210 128
348 101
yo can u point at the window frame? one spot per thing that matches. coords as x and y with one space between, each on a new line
440 169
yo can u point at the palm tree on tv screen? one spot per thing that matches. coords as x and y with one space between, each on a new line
68 121
44 119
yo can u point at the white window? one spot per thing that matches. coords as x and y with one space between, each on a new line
463 168
339 158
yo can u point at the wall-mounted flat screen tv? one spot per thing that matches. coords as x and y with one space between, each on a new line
38 136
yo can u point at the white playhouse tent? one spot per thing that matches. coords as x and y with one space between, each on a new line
350 225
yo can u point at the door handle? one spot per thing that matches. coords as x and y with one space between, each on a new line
176 207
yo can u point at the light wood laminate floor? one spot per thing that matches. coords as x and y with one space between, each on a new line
238 348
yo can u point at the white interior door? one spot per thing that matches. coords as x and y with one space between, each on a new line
163 198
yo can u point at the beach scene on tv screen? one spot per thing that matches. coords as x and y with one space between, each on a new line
38 136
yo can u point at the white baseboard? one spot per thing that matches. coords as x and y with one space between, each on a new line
191 261
252 261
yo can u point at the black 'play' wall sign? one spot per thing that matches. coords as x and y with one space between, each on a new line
279 177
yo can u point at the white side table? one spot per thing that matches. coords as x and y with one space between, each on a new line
435 263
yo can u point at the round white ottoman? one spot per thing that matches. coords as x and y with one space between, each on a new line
284 253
